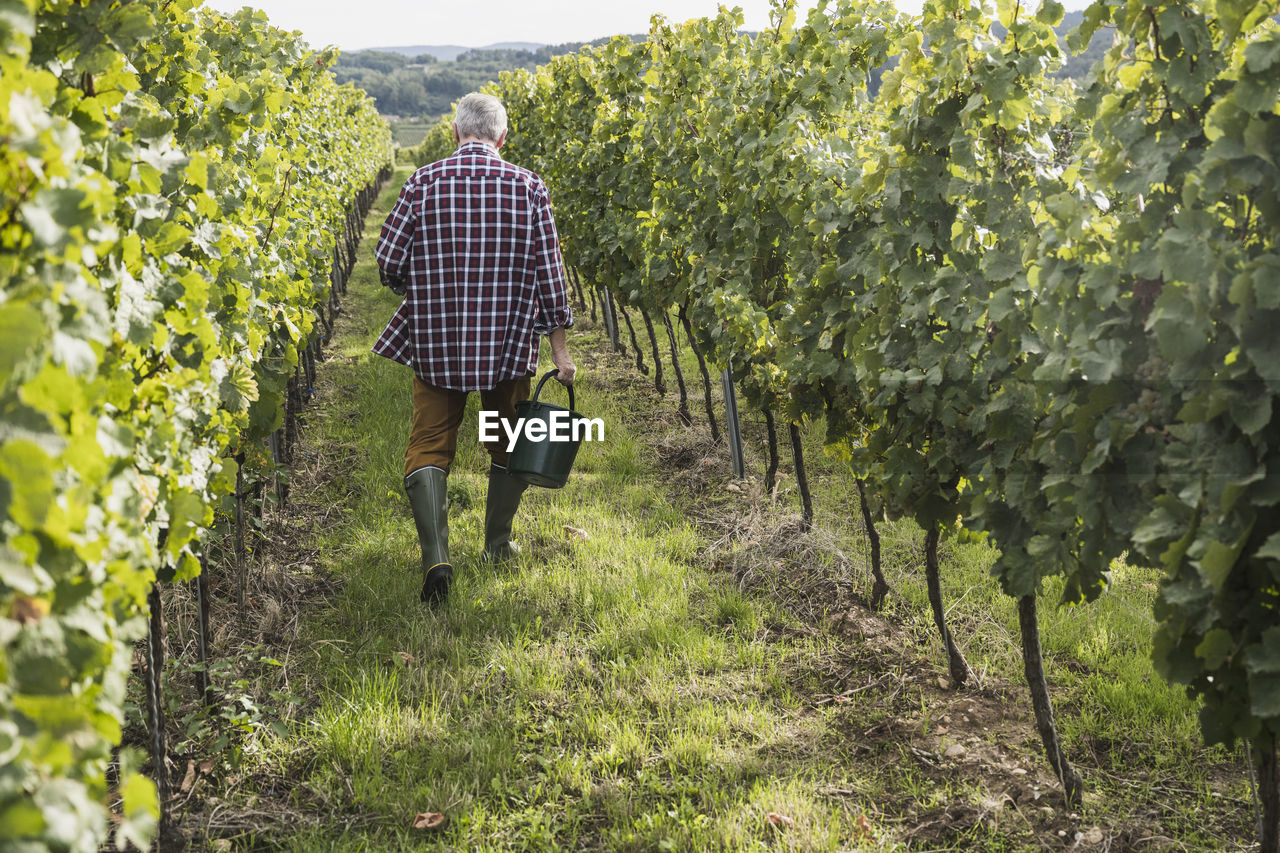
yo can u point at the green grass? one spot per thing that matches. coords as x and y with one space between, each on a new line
409 134
613 693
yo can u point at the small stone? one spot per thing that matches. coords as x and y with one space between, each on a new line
955 751
1018 771
944 682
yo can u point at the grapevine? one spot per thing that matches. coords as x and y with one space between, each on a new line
175 183
1046 316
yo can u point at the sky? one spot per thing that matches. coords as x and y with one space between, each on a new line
385 23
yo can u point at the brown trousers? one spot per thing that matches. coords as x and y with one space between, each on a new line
437 414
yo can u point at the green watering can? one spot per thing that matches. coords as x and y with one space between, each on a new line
546 462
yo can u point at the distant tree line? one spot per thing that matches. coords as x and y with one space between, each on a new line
424 87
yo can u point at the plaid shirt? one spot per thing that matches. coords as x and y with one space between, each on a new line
472 243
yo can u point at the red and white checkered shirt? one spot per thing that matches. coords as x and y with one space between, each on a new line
473 237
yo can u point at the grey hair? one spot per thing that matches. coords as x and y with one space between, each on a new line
481 116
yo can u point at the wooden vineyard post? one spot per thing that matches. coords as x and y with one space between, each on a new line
732 426
200 587
610 309
292 406
617 328
242 568
278 458
610 322
313 355
155 704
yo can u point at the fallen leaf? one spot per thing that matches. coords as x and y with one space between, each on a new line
1093 835
428 820
576 533
405 658
189 779
863 825
780 820
205 767
842 700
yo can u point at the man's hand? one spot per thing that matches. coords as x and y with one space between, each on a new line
560 356
567 369
398 283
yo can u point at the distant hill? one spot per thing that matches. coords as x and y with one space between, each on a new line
420 82
450 52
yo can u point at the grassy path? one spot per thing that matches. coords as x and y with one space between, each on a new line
659 670
598 693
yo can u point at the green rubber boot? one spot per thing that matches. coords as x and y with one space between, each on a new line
429 500
500 508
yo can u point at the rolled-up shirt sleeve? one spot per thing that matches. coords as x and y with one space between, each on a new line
552 284
396 240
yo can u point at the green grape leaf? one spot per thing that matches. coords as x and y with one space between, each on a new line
21 330
1216 647
26 483
1265 656
1264 694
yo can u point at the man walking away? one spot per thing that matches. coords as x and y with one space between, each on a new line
472 246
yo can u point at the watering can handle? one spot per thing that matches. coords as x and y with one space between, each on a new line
550 373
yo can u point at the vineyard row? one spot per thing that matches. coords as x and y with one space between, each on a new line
1044 314
183 193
